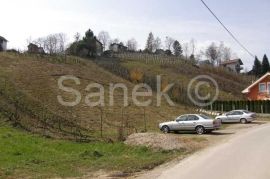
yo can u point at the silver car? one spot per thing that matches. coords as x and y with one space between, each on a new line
242 116
191 122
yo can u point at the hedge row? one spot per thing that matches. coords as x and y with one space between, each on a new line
254 106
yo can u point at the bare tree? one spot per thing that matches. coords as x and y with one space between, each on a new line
104 38
227 53
157 44
168 43
77 37
132 44
53 43
212 53
192 45
186 50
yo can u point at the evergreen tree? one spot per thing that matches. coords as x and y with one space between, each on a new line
265 65
150 43
257 67
177 49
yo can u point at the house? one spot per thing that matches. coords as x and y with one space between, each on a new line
233 65
3 44
118 47
204 62
259 90
160 52
33 48
99 47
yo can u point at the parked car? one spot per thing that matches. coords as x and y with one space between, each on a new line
191 122
242 116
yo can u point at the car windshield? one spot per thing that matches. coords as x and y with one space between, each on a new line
204 116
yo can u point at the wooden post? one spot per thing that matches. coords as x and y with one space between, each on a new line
144 117
101 123
262 109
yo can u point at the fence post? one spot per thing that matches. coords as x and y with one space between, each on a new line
262 109
246 106
144 117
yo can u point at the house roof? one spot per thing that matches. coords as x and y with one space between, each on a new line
247 90
2 38
232 61
119 45
98 41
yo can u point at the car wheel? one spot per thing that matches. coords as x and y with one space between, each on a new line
200 130
165 129
243 121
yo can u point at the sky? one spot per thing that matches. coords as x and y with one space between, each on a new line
125 19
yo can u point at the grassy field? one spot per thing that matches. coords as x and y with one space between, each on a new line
27 155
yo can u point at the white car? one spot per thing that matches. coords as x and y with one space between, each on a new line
242 116
191 122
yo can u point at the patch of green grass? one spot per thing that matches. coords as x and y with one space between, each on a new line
24 154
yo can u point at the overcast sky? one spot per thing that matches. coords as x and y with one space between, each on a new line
124 19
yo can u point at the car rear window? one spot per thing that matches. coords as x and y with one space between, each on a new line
204 116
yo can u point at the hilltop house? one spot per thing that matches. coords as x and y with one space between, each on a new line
3 44
99 47
233 65
33 48
259 90
118 47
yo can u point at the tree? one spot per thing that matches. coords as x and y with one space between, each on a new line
169 43
177 48
77 37
150 43
89 43
265 65
186 50
257 67
104 38
157 44
192 46
212 53
132 44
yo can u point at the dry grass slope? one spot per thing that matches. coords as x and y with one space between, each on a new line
35 77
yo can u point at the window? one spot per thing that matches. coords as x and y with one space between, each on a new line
192 118
237 113
181 118
204 116
262 87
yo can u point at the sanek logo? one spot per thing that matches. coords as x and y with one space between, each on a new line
141 90
138 92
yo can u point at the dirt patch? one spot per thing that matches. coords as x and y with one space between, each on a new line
167 141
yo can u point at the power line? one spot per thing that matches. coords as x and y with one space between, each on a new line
231 34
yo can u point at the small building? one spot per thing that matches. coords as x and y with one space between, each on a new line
233 65
33 48
259 90
203 62
160 52
3 44
118 48
99 47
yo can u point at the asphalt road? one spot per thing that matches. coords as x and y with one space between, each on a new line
245 156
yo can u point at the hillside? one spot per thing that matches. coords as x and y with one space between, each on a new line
178 71
29 97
